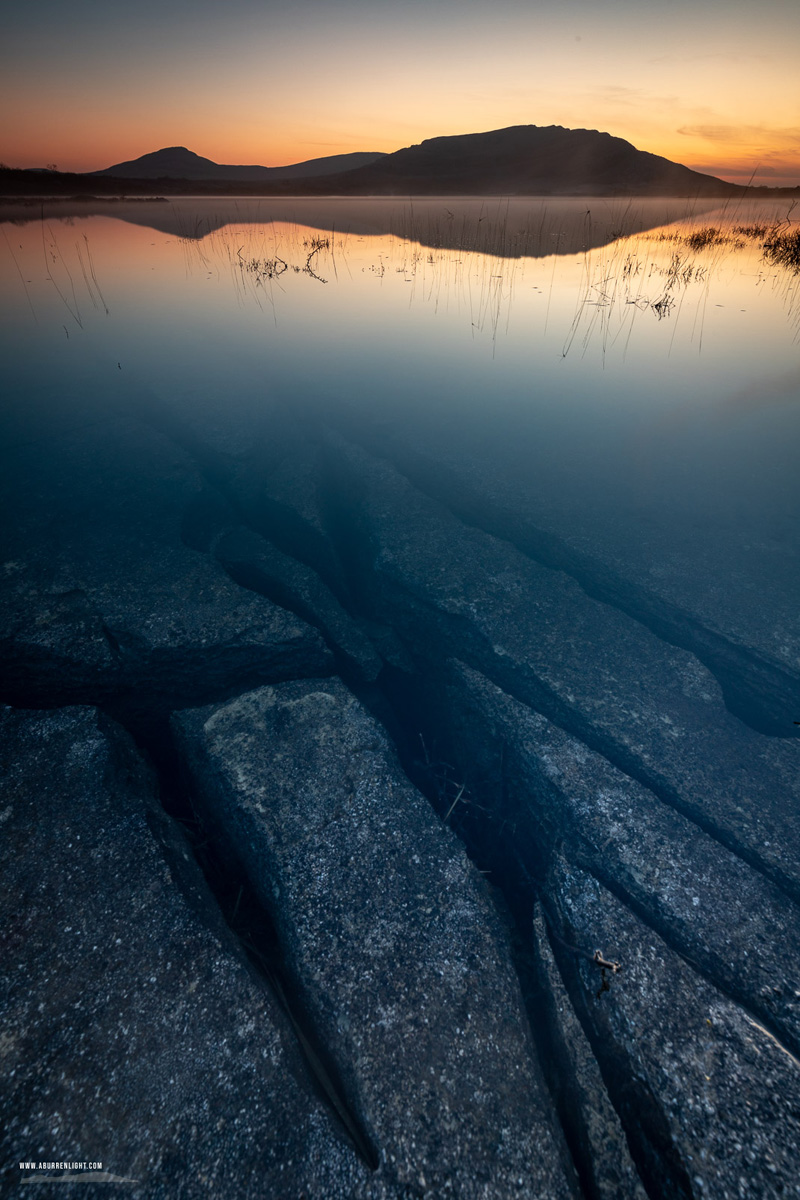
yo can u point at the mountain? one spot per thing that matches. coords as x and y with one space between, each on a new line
526 160
519 160
522 160
176 162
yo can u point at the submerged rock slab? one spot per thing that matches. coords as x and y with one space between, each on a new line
276 485
602 1150
270 466
709 1099
397 955
101 597
255 563
727 919
287 504
658 555
134 1033
650 708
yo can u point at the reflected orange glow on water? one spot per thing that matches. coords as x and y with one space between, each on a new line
612 282
647 381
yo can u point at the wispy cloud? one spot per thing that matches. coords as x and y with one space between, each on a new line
744 135
711 133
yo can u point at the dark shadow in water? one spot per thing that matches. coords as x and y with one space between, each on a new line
507 228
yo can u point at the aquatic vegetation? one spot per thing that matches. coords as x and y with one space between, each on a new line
314 245
783 249
264 268
557 268
753 232
780 243
698 239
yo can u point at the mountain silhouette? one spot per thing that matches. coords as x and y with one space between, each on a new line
522 160
526 160
176 162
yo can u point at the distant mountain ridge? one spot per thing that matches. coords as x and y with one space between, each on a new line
528 160
521 160
176 162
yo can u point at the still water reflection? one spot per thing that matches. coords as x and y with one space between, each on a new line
628 369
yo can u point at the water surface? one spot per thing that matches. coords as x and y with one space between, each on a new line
631 378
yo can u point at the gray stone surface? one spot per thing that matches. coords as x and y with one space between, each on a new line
269 464
651 708
397 954
609 1170
133 1032
100 595
710 1100
254 562
715 563
278 490
726 918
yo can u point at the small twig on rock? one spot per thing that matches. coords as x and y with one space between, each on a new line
598 958
455 802
604 962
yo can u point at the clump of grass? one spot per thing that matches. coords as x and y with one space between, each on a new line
783 249
663 307
780 246
263 268
752 231
631 266
682 271
709 235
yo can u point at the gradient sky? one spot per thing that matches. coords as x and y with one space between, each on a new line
711 83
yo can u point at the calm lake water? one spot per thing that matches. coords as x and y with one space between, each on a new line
528 472
631 377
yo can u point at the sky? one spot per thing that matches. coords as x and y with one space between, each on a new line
713 84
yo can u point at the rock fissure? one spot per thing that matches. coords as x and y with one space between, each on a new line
129 985
543 790
244 916
761 693
658 1163
600 1158
586 1002
416 974
725 983
648 708
541 700
675 1068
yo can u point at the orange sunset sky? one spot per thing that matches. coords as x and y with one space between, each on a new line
713 84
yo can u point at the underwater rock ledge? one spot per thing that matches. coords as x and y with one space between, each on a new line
394 949
134 1031
474 1045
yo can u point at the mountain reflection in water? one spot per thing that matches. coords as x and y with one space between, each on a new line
626 367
